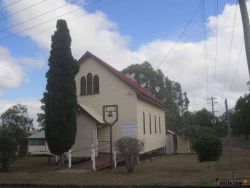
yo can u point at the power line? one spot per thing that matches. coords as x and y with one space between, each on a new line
216 39
181 34
9 5
35 17
205 43
230 49
72 33
47 21
237 66
21 10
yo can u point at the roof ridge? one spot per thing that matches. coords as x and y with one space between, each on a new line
140 90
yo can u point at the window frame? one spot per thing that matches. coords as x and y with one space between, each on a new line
96 84
150 125
160 124
89 84
144 123
83 85
155 125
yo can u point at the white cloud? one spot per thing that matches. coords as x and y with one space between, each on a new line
93 32
32 62
186 64
11 74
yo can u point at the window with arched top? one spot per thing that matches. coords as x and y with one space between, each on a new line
96 84
89 84
83 86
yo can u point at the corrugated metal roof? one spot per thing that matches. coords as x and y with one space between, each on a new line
40 134
98 117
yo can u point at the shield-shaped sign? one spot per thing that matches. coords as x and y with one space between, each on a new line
110 114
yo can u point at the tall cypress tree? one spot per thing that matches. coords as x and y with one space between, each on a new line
60 96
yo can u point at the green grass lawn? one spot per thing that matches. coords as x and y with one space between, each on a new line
179 169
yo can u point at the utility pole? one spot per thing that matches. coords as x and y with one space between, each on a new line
213 102
230 140
246 29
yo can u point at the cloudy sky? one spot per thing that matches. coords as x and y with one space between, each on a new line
123 32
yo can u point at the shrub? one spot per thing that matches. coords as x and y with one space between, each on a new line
8 150
208 148
130 149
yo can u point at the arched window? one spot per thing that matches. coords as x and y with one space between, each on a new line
96 84
83 86
89 83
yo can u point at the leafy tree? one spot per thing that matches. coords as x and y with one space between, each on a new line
130 149
193 132
188 119
241 116
60 96
208 148
163 88
15 122
204 118
8 149
41 117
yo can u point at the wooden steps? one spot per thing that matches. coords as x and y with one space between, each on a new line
101 162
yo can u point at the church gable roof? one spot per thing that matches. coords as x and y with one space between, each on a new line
141 92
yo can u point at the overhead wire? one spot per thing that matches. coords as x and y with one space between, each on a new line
216 14
35 17
205 45
237 66
9 5
21 10
229 54
72 33
180 36
47 21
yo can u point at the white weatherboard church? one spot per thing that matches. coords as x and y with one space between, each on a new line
140 115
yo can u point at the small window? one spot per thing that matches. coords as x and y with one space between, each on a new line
150 127
36 142
96 84
89 83
83 86
155 126
159 124
144 128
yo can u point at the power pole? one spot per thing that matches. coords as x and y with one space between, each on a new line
213 102
246 29
230 140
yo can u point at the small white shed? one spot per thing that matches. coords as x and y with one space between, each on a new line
182 144
170 142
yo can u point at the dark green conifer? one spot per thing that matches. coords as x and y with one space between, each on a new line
60 96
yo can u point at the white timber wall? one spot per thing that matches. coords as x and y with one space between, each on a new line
112 91
38 150
170 144
183 145
85 136
155 139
